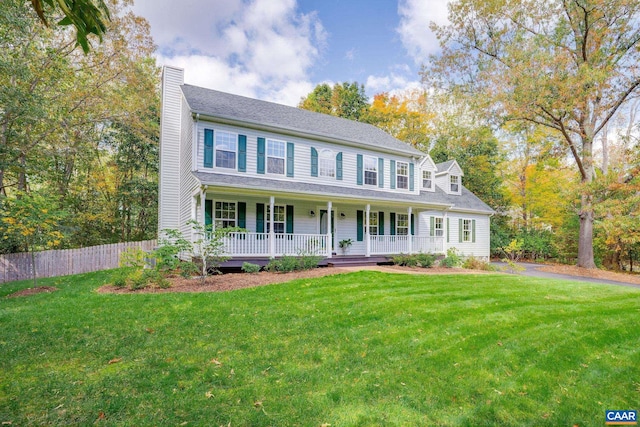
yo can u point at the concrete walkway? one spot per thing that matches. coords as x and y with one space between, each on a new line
532 271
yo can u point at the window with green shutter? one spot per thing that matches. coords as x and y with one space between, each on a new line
261 155
360 226
314 162
339 166
242 153
208 148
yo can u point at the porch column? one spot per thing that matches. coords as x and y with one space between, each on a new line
329 236
367 236
445 226
409 236
272 235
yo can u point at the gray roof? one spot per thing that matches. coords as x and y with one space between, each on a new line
233 107
465 201
444 166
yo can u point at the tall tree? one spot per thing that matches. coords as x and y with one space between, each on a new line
347 100
564 64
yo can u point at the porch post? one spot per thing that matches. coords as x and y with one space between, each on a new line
367 236
445 226
409 236
329 236
272 235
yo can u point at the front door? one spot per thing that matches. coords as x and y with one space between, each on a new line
323 226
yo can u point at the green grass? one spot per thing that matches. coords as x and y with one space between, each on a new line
359 349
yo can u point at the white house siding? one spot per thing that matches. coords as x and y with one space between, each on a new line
188 183
302 159
170 134
478 249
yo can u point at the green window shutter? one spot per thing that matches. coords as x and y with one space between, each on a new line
259 217
392 223
360 169
381 223
261 155
242 153
314 162
411 176
380 172
208 148
473 231
208 212
392 172
242 215
413 228
289 219
448 227
460 230
432 226
360 226
290 159
339 166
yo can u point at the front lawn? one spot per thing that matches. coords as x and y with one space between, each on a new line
357 349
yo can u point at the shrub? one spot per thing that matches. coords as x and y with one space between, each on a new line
425 260
133 258
309 262
250 268
289 263
473 263
451 260
188 269
416 260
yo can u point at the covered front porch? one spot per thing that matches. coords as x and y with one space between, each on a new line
298 224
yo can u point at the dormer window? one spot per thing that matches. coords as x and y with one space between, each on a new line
455 183
427 180
402 175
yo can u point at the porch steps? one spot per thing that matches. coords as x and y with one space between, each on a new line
355 261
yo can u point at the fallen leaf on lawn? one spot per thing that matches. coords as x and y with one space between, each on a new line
257 404
584 365
149 330
216 362
115 360
209 395
101 416
500 343
7 423
325 425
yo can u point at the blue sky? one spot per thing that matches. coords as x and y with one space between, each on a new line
279 50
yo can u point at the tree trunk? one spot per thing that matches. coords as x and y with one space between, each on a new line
585 236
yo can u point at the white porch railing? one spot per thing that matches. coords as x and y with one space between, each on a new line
259 244
405 244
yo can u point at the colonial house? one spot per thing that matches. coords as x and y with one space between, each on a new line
303 182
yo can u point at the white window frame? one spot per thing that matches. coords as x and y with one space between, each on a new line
274 152
373 224
454 180
405 175
438 227
467 230
402 230
368 162
224 220
227 140
430 179
279 220
326 164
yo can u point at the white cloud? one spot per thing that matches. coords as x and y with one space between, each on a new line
400 79
258 48
415 18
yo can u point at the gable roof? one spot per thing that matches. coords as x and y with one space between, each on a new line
447 166
237 108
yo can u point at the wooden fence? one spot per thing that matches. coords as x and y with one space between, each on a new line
66 261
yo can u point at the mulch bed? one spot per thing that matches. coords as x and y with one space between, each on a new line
32 291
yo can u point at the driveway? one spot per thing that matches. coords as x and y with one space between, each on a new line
532 271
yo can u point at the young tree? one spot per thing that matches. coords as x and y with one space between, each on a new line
33 220
346 100
566 65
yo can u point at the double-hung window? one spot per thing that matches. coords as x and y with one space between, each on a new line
327 164
279 219
427 180
226 214
402 175
226 149
455 183
466 230
275 157
438 225
402 224
373 223
371 170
